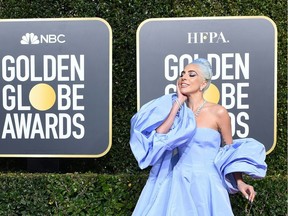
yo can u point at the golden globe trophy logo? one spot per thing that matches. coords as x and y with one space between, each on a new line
242 53
55 88
21 120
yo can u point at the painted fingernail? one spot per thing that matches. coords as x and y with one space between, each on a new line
246 197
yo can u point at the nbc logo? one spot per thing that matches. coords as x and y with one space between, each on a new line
30 38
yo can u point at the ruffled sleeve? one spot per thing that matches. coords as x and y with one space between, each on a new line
146 144
244 155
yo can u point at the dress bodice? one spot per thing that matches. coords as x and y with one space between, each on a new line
202 149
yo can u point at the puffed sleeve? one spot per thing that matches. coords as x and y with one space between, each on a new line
244 155
146 144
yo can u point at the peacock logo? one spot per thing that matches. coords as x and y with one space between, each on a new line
30 38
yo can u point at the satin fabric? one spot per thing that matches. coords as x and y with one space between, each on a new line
191 173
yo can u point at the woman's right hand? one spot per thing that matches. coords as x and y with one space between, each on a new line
182 98
167 124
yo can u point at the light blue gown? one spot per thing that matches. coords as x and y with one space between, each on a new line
191 173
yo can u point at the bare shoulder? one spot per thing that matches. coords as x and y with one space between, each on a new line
223 122
220 114
214 116
217 109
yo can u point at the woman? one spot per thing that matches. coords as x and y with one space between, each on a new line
180 136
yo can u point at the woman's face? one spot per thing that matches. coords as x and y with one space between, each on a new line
191 80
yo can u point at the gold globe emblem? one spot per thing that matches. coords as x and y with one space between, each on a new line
42 96
212 94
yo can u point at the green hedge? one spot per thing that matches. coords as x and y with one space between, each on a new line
116 187
105 195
